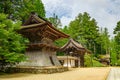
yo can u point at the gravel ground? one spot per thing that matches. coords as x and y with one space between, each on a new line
114 74
73 74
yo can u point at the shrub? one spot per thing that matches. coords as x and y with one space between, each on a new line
118 63
97 64
90 62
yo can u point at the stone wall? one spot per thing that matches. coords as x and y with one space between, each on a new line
37 70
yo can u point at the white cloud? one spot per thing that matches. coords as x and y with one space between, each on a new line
66 20
106 12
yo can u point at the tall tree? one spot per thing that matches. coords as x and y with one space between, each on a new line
55 20
27 6
7 7
85 30
113 51
105 42
117 41
12 44
20 9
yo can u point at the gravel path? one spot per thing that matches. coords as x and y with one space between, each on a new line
114 74
73 74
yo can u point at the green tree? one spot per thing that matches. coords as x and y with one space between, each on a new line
7 7
21 9
85 30
113 53
55 20
12 44
117 41
105 42
27 6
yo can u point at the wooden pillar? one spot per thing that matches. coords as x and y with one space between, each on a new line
76 63
82 60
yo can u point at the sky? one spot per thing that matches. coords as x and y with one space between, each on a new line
105 12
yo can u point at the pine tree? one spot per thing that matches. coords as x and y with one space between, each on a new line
12 44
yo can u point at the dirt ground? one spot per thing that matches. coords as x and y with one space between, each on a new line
74 74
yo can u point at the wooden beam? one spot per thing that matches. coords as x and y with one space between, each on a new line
32 25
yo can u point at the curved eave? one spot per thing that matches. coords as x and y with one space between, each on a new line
88 51
33 16
74 45
40 22
56 31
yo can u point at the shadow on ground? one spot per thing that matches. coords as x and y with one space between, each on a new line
14 75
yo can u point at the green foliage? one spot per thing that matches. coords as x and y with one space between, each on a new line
85 30
60 43
55 21
117 28
12 44
115 46
118 63
21 9
6 6
113 54
97 64
27 6
90 62
104 41
60 54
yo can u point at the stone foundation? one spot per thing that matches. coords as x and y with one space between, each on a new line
37 70
40 58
